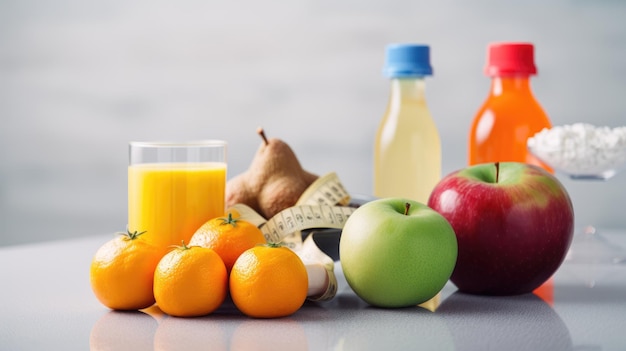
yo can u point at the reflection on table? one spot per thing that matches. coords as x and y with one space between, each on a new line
461 322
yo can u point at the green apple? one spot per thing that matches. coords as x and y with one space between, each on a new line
396 252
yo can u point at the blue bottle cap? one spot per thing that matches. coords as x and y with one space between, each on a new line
407 60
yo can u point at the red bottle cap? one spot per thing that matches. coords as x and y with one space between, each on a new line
510 59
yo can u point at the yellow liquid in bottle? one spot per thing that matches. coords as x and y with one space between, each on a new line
407 152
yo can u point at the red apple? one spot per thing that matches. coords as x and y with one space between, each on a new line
514 223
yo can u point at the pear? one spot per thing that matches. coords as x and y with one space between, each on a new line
273 182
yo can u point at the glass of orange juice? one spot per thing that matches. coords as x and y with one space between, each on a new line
174 188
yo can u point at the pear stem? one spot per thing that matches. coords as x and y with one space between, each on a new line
262 134
407 206
497 164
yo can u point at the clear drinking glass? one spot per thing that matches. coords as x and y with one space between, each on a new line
174 188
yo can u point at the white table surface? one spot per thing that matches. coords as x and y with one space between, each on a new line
46 303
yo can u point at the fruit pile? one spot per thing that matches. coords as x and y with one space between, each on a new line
265 280
491 229
226 256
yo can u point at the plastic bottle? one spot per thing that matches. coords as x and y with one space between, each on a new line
407 149
510 114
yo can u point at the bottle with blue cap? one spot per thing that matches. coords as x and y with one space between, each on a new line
407 149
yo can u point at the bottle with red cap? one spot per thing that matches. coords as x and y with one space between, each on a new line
510 114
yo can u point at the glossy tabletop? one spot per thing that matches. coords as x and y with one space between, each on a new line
46 303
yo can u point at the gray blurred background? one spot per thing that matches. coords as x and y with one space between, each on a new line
79 79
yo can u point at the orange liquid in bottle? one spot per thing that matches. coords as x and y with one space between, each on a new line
509 116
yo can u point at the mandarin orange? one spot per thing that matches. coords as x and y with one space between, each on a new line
268 281
122 272
190 281
228 236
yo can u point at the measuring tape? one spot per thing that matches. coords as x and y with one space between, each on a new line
324 204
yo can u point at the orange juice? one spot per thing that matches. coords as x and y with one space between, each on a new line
170 201
504 123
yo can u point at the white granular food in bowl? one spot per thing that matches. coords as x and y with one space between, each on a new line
581 148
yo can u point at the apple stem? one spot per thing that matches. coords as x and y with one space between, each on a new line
260 132
407 206
497 164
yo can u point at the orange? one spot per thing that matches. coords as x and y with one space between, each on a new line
229 237
190 281
122 272
268 281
